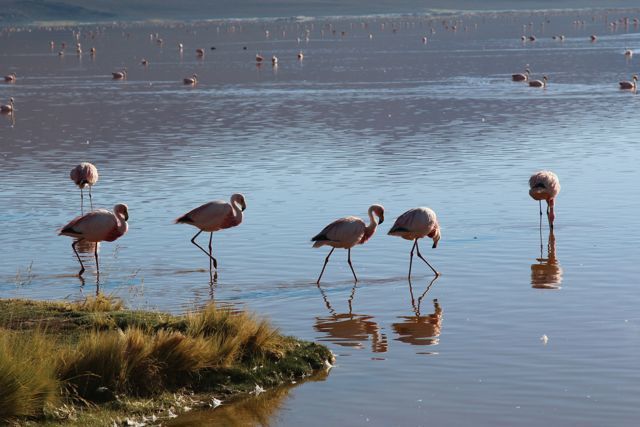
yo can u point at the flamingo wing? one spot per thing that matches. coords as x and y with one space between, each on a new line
94 226
344 232
209 217
418 220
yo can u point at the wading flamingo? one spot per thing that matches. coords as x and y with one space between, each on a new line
200 52
274 60
10 78
300 55
539 83
214 216
415 224
84 175
347 232
544 185
97 226
632 85
119 75
191 80
259 58
521 77
7 108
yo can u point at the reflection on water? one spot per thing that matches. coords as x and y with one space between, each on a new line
547 272
420 329
248 411
350 329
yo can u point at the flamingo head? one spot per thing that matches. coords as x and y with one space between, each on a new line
528 71
379 211
635 77
545 78
435 235
121 209
239 199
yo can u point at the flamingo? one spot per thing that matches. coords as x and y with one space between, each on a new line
347 232
300 55
120 75
633 84
259 58
214 216
144 62
97 226
274 60
544 185
191 80
200 52
593 37
10 78
84 175
92 51
415 224
539 83
8 108
628 53
521 77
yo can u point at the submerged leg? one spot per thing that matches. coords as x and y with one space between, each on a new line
193 240
422 258
351 265
73 245
326 261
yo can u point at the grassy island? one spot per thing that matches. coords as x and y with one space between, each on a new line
95 363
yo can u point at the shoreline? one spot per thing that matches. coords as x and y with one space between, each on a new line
93 362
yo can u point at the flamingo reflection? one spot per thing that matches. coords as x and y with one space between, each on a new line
546 273
420 329
350 329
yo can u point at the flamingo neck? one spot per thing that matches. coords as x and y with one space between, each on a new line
122 224
237 211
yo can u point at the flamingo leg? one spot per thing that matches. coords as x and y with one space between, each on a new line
95 254
73 245
81 202
411 257
351 265
549 211
326 261
90 198
422 258
193 240
212 260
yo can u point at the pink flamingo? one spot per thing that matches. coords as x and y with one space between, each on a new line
214 216
191 80
521 77
200 52
7 108
300 55
415 224
84 175
539 83
631 85
97 226
120 75
347 232
259 58
10 78
544 185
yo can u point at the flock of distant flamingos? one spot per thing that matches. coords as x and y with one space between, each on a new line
102 225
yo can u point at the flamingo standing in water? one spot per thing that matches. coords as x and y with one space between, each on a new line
84 175
347 232
632 85
521 77
97 226
191 80
120 75
539 83
259 58
10 78
7 108
200 52
214 216
544 185
415 224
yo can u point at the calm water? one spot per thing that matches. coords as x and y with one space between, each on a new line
360 120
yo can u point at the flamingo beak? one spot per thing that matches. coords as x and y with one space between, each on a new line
126 215
244 206
381 219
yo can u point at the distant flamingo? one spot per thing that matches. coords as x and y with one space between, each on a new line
521 77
415 224
539 83
633 84
347 232
300 55
7 108
144 62
97 226
191 80
200 52
274 60
84 175
10 78
544 185
92 51
628 52
259 58
593 37
214 216
120 75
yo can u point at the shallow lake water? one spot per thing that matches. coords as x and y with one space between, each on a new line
373 115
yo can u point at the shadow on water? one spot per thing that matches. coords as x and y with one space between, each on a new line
350 329
546 273
247 411
420 329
